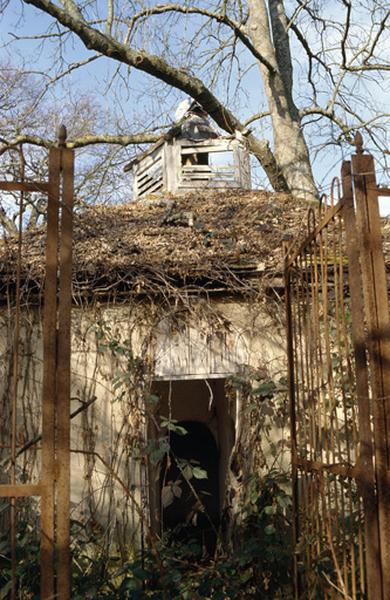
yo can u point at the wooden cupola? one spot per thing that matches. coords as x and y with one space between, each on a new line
191 156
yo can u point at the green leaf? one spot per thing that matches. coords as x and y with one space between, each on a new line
187 472
5 590
199 473
265 390
153 399
270 529
269 510
283 501
171 425
167 496
176 489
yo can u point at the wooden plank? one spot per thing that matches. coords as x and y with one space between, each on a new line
63 381
49 379
246 181
216 145
26 186
152 185
156 166
148 162
365 465
211 184
19 490
210 176
237 161
135 183
155 174
378 340
196 169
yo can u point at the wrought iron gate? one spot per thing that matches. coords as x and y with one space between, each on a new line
339 384
52 486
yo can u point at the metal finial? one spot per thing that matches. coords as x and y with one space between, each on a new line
62 133
358 143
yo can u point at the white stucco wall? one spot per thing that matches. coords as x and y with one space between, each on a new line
207 344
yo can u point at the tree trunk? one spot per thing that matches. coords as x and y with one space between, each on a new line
268 32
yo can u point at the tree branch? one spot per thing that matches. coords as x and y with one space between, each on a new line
257 117
381 29
178 78
279 26
348 6
81 142
220 17
72 8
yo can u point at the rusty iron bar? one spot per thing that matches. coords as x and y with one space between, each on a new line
24 186
323 430
293 429
63 380
364 466
378 340
339 355
15 386
49 380
293 252
54 484
38 438
20 490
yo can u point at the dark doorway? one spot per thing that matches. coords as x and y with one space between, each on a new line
195 513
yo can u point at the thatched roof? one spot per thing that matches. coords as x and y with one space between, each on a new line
207 239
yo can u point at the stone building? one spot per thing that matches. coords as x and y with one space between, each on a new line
177 314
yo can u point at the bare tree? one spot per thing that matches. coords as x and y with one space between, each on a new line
29 120
319 66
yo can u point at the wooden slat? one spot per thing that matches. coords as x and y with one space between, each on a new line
172 164
63 382
196 168
26 186
217 145
154 168
20 490
150 186
49 379
156 175
210 176
212 184
147 163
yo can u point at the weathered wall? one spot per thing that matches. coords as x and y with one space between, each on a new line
120 355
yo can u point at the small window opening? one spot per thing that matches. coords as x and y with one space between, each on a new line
196 158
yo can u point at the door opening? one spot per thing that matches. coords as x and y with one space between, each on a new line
190 502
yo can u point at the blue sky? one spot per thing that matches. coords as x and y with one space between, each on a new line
95 78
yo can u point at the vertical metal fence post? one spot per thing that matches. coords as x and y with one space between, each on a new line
49 382
378 337
293 433
365 467
63 378
55 510
53 487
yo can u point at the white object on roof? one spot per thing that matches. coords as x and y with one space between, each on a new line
182 109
